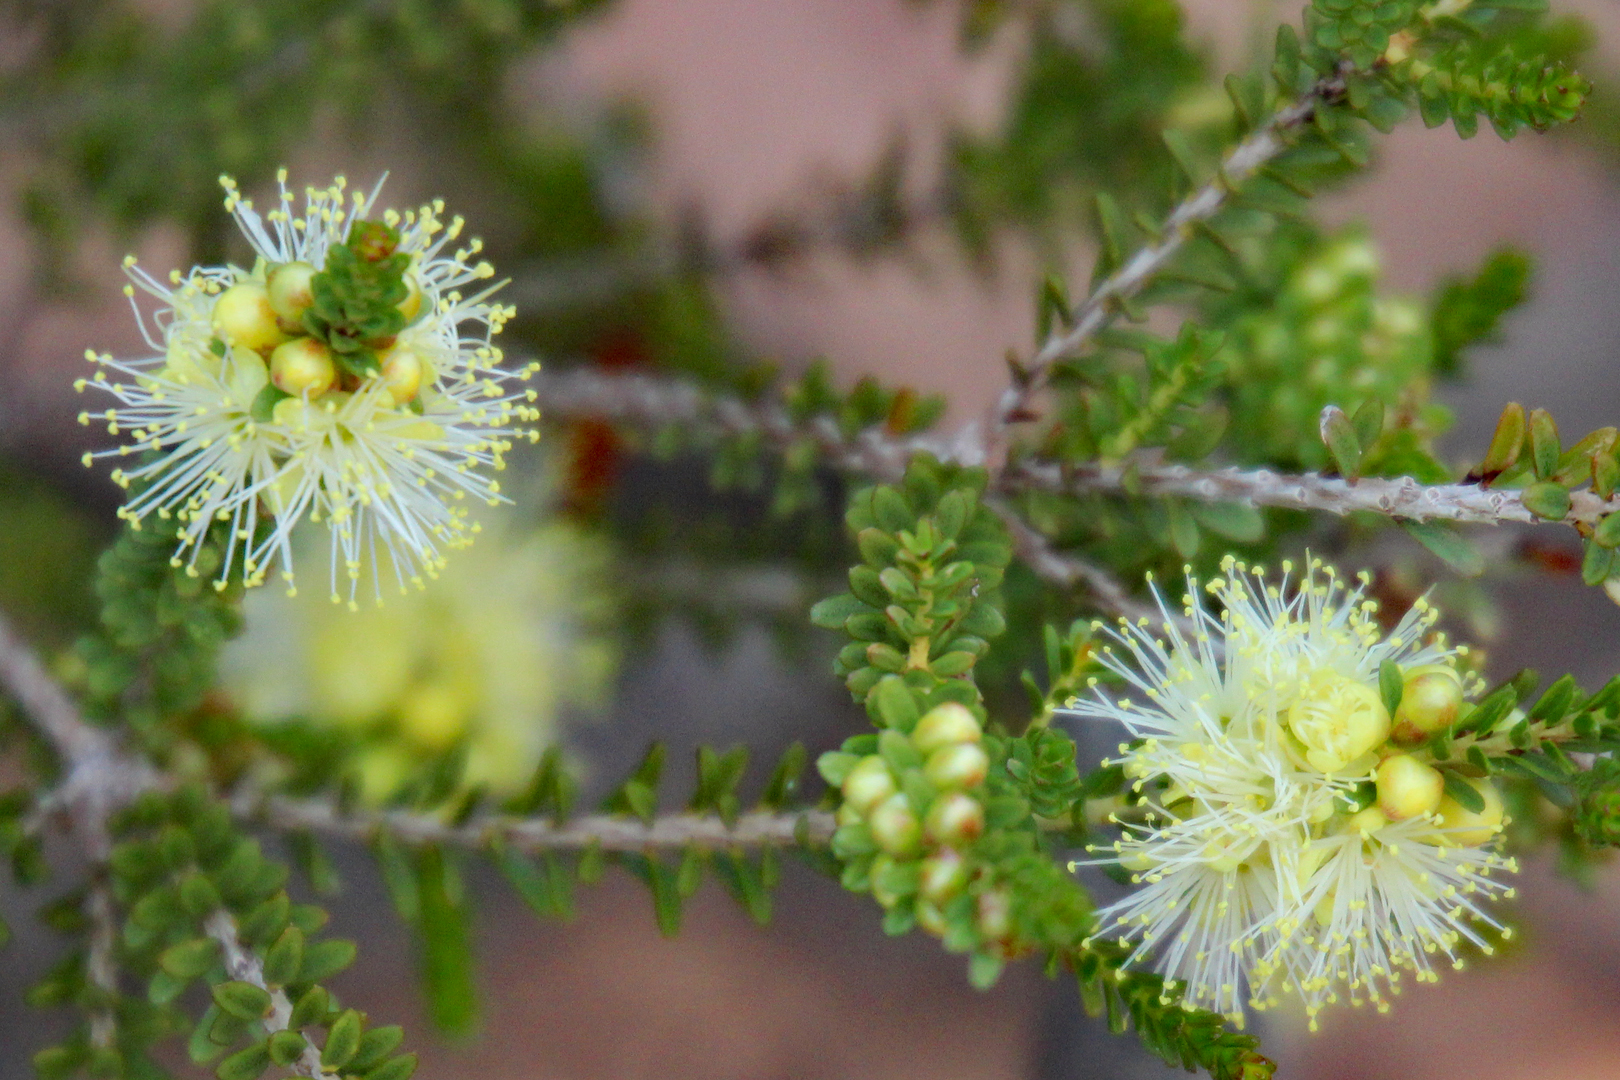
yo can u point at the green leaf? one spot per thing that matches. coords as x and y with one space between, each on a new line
1391 685
1544 445
190 959
1607 531
1235 521
399 1068
1598 563
263 407
284 959
1445 542
1340 437
311 1008
342 1040
323 959
242 999
1463 793
833 612
375 1045
1507 443
1547 500
286 1047
896 706
444 941
245 1064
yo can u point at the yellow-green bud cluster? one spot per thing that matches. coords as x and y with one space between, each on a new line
1405 784
267 318
918 804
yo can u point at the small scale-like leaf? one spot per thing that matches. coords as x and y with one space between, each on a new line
189 959
1544 445
1391 685
242 1000
1444 541
1507 443
399 1068
284 959
1339 435
1547 500
323 959
342 1040
1463 793
245 1064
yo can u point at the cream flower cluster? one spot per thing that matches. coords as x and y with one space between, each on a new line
237 418
1288 834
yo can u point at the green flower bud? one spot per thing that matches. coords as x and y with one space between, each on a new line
303 366
945 725
1408 788
895 828
243 316
868 784
1429 702
290 291
954 819
964 765
942 875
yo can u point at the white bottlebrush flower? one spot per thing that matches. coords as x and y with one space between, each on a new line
1259 731
241 416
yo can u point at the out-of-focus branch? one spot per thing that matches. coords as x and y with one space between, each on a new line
99 778
241 964
1098 308
1400 497
609 832
650 403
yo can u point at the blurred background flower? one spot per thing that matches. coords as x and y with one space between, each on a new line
510 641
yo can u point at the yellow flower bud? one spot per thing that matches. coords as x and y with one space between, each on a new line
290 291
1465 828
402 371
945 725
1407 787
1429 701
894 827
303 366
243 316
1366 821
964 765
954 819
1337 720
943 875
868 784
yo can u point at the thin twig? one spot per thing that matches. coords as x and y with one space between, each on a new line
652 403
609 832
1398 497
1035 548
1098 308
243 965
